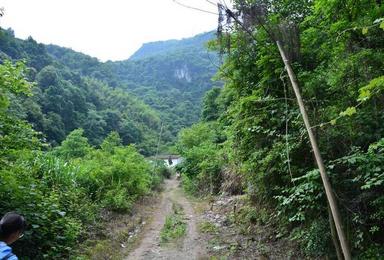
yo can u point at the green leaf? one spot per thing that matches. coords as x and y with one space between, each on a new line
364 95
333 122
375 85
379 20
365 30
349 111
382 25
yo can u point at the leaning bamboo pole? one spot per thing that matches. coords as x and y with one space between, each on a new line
327 186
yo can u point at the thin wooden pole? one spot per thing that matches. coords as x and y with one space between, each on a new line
335 241
319 160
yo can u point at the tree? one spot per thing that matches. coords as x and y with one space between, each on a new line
74 146
48 76
210 109
112 141
15 133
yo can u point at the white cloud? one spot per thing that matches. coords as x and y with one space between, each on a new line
111 29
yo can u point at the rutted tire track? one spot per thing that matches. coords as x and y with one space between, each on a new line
149 247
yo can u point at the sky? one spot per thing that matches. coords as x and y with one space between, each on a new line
107 30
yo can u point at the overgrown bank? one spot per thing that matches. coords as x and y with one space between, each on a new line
252 140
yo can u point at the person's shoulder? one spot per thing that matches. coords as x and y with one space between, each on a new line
13 257
10 256
4 249
6 252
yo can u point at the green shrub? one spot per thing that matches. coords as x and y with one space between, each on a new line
74 146
165 172
315 239
189 184
42 188
124 174
159 173
117 199
201 166
61 199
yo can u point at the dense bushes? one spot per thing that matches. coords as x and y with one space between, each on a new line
61 192
65 100
60 198
340 69
200 169
43 189
114 175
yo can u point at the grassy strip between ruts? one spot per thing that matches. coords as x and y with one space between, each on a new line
175 226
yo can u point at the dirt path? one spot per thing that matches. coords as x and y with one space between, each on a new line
149 247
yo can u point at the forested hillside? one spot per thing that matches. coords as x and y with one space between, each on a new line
64 100
251 138
152 49
170 76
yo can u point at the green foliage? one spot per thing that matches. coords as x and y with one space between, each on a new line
190 184
374 86
61 192
12 81
115 178
201 162
159 173
15 134
112 141
74 146
169 76
315 240
194 136
60 199
305 196
42 188
65 100
364 171
117 199
259 134
210 105
163 170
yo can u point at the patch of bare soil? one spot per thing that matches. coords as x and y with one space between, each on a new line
233 233
191 247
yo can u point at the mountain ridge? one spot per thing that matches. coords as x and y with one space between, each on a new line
149 49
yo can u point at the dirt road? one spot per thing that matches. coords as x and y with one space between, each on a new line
150 248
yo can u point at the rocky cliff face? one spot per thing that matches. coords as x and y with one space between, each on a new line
182 73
